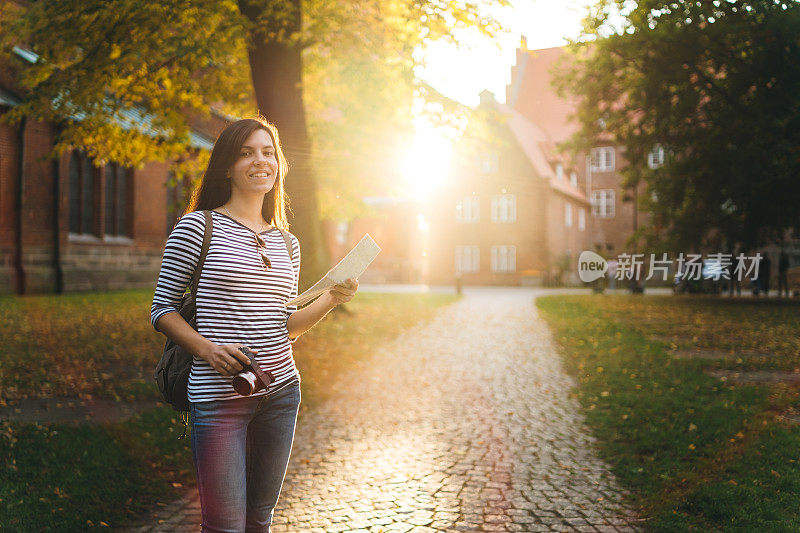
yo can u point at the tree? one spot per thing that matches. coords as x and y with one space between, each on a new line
99 59
717 86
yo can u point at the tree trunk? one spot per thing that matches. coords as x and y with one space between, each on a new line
277 72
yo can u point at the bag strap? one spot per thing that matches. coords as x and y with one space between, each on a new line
287 238
207 231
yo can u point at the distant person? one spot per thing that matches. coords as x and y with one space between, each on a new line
612 274
783 273
764 273
733 279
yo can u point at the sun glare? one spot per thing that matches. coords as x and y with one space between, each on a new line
427 161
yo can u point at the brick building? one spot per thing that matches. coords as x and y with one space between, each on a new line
531 93
68 225
545 206
514 210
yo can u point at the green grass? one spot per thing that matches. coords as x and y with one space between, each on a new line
61 478
78 345
695 452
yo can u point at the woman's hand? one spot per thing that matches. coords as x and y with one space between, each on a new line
227 359
344 292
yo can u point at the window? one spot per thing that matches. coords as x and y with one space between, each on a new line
81 194
573 178
489 163
568 215
341 232
560 172
99 198
603 203
116 220
655 158
468 210
602 159
504 208
504 259
74 193
87 197
467 259
582 219
176 200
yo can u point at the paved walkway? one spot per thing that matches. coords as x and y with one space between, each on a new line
465 423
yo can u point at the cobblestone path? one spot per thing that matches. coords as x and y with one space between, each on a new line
465 423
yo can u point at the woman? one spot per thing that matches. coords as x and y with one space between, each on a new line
240 444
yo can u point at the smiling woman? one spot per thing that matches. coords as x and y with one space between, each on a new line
427 161
257 165
235 238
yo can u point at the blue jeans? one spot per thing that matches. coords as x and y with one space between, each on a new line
241 449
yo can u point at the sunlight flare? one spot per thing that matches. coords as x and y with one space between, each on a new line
427 162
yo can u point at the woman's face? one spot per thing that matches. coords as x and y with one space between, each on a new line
256 169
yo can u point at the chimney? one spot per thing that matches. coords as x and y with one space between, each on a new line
487 97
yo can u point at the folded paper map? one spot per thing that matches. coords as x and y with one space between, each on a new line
351 266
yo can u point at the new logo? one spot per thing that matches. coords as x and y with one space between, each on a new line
591 266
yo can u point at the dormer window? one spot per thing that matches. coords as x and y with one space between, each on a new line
489 163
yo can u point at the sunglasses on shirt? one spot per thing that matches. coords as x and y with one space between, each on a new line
261 244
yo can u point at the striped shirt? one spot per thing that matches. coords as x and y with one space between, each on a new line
238 301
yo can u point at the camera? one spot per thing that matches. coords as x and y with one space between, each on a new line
251 379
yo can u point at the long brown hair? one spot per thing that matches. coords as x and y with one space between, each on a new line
215 187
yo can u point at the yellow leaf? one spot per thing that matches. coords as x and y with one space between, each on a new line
115 51
692 427
691 446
